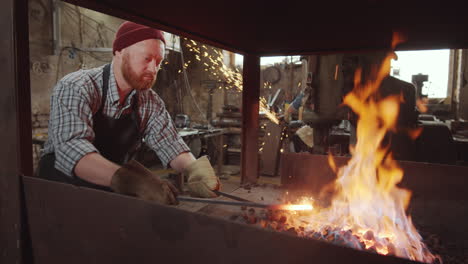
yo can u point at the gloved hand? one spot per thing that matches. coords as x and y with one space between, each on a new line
136 180
202 179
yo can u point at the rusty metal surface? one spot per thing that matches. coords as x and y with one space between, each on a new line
23 89
426 181
77 225
12 14
250 107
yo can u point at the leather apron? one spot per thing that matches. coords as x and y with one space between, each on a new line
115 138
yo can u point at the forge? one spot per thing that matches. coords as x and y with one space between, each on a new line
85 224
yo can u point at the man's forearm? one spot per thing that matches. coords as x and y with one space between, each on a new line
181 162
94 168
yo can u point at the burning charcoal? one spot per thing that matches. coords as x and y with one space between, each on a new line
348 234
317 235
291 230
252 220
377 245
369 235
391 249
263 214
246 218
340 241
361 244
251 211
273 225
279 226
282 219
233 217
372 249
273 215
325 232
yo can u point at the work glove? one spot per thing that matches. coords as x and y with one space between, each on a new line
202 179
306 134
136 180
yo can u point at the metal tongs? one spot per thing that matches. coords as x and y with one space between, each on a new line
238 201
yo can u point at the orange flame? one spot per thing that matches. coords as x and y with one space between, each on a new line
421 105
296 207
331 162
367 200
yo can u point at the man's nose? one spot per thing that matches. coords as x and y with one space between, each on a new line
153 66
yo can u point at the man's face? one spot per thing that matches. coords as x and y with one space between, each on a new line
141 63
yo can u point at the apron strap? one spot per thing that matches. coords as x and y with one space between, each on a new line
105 85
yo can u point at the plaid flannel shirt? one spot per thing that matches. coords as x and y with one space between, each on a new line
77 97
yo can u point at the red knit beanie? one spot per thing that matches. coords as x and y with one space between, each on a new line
130 33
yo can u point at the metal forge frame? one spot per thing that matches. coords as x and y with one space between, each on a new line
47 222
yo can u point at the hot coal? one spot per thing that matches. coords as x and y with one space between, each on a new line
277 221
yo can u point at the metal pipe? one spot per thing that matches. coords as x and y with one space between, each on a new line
231 196
232 203
56 26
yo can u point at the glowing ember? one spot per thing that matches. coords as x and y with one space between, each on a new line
296 207
367 205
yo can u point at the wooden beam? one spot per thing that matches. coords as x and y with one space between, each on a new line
250 107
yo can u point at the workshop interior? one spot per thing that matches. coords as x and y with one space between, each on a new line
331 145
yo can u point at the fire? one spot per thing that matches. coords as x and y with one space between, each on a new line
295 207
367 204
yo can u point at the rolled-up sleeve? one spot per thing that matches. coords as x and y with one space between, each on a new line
71 126
161 135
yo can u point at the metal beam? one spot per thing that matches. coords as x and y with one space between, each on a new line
250 108
15 130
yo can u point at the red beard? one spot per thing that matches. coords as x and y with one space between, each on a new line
139 82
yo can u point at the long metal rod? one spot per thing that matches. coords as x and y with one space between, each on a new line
231 196
232 203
